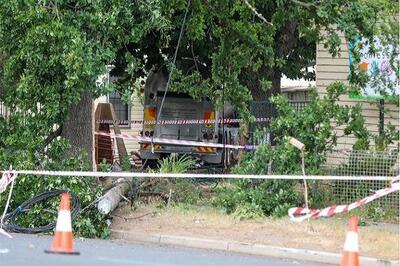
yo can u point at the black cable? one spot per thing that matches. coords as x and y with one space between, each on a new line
10 224
168 83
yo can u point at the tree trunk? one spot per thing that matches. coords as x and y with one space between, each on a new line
252 81
276 82
78 128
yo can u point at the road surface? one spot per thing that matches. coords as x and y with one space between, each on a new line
29 250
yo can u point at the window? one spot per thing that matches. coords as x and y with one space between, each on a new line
121 109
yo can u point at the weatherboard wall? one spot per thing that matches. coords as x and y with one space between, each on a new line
329 70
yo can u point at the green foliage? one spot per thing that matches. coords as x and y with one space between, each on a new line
126 164
51 53
248 210
176 164
227 47
390 135
375 212
248 199
88 224
314 125
245 199
103 166
183 190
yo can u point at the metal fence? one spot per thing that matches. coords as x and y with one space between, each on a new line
354 163
357 163
363 163
266 109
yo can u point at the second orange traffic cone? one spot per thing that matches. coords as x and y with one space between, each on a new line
350 255
63 239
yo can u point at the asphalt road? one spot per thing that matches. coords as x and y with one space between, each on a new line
29 250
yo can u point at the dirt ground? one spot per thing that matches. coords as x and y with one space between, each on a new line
324 235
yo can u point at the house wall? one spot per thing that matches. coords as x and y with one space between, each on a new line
329 70
136 113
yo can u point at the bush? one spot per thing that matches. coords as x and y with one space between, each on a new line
176 164
183 190
314 126
252 198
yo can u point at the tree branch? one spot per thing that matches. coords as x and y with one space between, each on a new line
52 136
257 14
308 5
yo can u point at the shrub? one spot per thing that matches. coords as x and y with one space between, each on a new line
313 125
183 190
176 164
251 198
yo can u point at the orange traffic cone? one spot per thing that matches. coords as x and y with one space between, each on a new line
63 239
350 250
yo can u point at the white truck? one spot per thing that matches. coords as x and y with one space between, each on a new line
185 111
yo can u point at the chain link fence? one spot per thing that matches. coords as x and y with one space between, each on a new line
361 163
357 163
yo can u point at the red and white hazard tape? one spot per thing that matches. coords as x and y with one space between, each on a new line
300 214
175 142
188 175
5 180
184 121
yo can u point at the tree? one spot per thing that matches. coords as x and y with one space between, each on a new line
244 47
51 54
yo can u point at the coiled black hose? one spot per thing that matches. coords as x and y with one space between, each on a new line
10 219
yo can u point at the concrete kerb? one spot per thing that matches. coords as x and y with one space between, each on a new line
247 248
